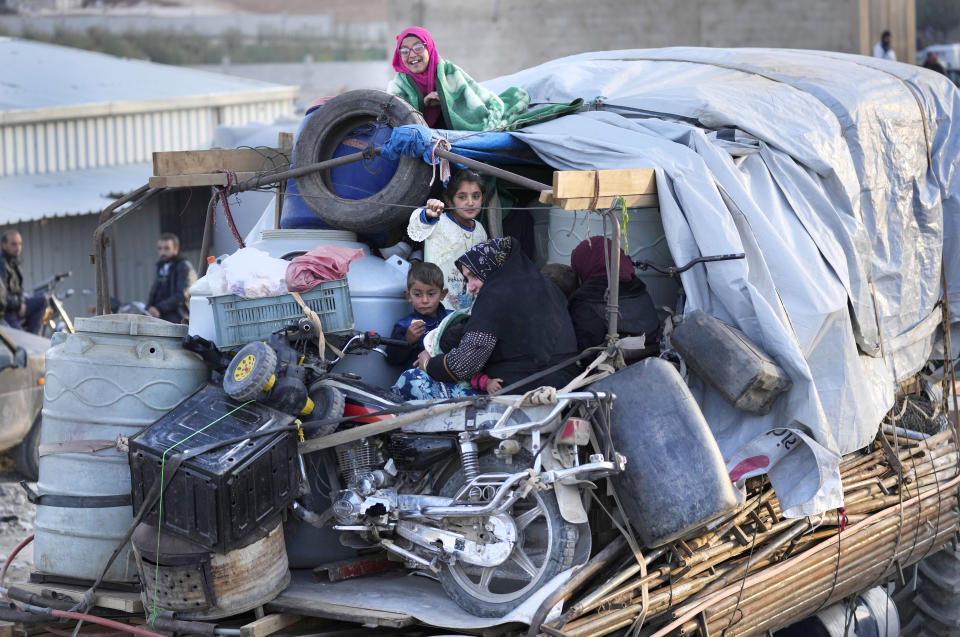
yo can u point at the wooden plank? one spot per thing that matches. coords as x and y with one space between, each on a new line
546 197
268 625
584 203
198 162
285 144
190 181
114 600
340 612
6 629
571 184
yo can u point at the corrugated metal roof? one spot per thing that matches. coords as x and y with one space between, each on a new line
75 192
36 75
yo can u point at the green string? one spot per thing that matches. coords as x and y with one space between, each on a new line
626 219
163 462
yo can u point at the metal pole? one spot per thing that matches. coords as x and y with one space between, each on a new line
98 258
207 234
500 173
613 277
266 180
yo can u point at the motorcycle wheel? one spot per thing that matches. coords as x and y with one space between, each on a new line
545 547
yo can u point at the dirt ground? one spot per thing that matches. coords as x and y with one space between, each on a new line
16 521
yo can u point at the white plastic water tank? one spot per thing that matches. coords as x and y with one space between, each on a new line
645 241
118 374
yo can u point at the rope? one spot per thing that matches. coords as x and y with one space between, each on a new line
544 395
913 464
836 570
444 163
626 530
901 485
163 462
625 215
743 581
540 396
317 325
936 530
224 191
407 206
583 379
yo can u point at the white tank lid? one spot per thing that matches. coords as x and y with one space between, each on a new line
130 324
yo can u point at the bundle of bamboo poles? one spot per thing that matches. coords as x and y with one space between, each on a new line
756 571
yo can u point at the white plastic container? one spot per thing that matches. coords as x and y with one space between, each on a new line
115 376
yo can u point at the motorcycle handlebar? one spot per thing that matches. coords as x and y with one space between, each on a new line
372 339
675 270
364 340
51 283
394 341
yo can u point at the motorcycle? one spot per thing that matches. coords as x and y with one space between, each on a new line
484 494
55 317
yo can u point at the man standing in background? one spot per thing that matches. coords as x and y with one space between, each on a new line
932 62
882 49
175 275
19 312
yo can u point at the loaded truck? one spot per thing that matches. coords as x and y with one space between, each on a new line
785 462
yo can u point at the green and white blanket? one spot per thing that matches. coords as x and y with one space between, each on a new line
469 106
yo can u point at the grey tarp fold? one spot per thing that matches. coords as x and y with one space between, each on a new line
835 174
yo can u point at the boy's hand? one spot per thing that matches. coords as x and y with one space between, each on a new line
433 208
494 385
417 329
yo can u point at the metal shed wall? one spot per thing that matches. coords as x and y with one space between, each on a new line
51 246
79 138
55 245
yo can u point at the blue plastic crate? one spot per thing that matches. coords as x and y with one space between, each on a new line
239 321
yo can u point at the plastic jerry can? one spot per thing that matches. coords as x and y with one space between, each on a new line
729 362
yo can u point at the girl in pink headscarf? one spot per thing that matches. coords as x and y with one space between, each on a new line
449 98
416 57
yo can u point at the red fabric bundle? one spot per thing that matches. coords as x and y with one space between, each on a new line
323 263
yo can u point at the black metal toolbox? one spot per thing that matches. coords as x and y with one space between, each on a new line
220 497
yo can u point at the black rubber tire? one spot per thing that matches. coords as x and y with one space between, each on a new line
324 132
26 455
559 556
328 402
249 371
